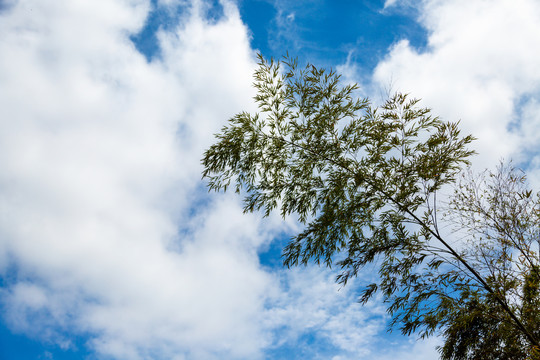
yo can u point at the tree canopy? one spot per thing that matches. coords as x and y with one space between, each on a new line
363 180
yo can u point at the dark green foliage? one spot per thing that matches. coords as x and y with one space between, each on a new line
478 329
363 180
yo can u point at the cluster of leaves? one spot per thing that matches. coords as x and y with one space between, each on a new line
363 180
499 215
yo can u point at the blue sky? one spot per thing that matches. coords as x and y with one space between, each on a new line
110 246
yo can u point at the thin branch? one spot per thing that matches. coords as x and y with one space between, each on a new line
435 234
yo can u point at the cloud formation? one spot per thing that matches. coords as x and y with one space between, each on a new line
100 158
479 66
106 231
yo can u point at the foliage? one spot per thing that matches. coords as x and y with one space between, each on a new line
500 217
364 181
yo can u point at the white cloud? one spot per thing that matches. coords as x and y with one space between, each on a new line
478 65
389 3
413 350
314 302
100 158
103 214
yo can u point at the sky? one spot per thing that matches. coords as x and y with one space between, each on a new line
110 245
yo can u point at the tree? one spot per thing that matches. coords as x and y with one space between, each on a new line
364 181
500 216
